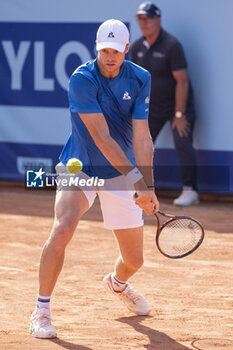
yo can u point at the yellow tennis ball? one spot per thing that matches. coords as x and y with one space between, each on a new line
74 165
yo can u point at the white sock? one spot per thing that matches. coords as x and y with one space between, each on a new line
43 302
117 285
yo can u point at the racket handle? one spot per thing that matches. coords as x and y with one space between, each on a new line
166 215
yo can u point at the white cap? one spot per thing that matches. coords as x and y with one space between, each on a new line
112 34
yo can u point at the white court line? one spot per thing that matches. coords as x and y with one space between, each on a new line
10 269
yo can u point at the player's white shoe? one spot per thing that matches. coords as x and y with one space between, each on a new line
187 197
40 324
134 301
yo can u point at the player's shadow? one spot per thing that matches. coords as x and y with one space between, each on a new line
157 340
69 345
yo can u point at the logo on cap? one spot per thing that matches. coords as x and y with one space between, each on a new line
111 35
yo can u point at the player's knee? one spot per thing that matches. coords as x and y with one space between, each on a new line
62 233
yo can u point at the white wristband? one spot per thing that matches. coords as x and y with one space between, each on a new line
134 175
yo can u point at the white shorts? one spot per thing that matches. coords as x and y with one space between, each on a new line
116 199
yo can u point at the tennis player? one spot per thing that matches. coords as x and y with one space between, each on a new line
109 104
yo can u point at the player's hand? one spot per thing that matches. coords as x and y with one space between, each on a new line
147 200
182 126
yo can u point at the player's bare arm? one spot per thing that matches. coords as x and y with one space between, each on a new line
98 129
143 149
143 152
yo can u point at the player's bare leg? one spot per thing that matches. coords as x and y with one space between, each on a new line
130 242
69 207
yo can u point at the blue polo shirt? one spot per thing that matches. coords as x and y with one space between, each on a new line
120 99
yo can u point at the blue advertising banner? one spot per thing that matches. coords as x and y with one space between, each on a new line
37 59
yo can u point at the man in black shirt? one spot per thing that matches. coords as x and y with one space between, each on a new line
171 93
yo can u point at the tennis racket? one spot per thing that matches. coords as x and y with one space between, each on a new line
178 236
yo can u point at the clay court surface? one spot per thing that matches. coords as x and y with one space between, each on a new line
192 297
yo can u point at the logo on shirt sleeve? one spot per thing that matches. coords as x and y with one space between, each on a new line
147 99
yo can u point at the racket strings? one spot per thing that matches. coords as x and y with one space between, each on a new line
179 236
